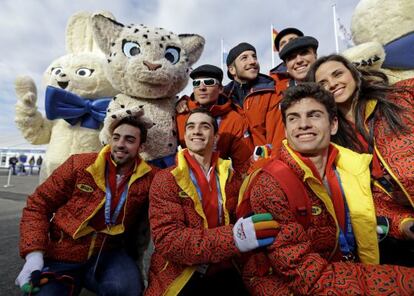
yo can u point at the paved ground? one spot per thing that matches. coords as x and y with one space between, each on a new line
12 200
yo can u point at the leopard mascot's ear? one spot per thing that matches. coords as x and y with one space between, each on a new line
106 31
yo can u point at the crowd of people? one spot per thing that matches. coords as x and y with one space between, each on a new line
299 182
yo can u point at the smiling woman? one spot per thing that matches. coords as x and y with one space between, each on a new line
377 118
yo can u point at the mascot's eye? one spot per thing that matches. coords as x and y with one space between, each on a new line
172 54
84 72
56 71
131 49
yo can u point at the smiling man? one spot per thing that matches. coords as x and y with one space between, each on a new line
327 242
75 226
192 215
255 96
234 141
299 54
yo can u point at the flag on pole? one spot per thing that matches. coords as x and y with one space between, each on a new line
344 34
224 55
274 34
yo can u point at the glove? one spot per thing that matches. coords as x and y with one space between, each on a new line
255 231
262 152
34 261
383 227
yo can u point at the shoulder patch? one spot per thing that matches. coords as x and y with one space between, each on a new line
84 187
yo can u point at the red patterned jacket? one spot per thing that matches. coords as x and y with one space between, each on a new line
179 227
397 156
55 219
305 261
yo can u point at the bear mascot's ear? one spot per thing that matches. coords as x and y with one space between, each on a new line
105 30
193 45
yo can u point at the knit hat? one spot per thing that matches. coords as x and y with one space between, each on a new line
207 70
298 43
235 52
285 32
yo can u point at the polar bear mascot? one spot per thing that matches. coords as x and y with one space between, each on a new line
383 31
149 66
77 96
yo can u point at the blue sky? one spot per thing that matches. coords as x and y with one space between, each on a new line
32 33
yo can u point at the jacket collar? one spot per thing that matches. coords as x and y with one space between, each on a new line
97 169
348 160
222 107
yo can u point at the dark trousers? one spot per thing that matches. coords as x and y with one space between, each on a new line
226 282
397 252
115 274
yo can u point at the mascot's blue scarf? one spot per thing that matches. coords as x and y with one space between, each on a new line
61 104
399 53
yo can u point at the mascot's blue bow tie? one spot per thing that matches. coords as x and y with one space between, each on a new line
72 108
399 53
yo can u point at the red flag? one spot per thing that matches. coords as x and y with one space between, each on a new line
274 34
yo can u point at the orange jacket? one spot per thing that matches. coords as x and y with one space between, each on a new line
72 195
397 157
234 139
261 109
305 261
179 227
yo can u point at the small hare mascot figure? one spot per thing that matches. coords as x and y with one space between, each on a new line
77 96
149 66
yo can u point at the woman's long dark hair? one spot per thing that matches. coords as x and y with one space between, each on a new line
370 85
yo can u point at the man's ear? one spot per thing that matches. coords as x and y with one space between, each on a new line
232 69
216 138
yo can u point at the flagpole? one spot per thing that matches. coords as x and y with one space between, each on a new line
271 45
335 28
222 54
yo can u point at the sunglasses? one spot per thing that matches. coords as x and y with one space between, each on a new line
205 81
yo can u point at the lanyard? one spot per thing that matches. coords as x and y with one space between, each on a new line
346 236
219 197
108 198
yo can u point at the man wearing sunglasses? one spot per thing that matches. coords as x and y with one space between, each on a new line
255 96
234 140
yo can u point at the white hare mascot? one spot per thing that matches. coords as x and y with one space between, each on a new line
383 31
149 66
77 96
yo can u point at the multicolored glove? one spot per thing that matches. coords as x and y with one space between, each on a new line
34 261
254 232
263 151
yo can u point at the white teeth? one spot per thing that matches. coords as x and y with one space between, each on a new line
338 91
306 135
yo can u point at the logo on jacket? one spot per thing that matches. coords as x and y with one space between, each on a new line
316 210
182 194
84 187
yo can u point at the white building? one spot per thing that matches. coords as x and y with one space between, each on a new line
6 153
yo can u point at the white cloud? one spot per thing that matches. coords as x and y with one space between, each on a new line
32 32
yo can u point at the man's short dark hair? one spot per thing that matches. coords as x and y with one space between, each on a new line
133 121
208 113
308 90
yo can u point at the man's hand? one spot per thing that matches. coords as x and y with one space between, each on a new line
407 228
255 231
181 105
34 261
